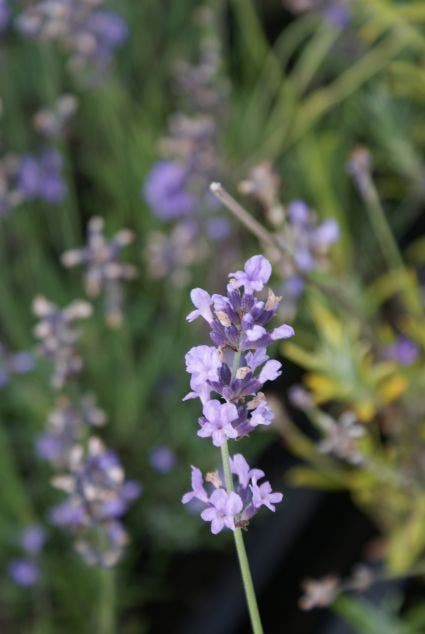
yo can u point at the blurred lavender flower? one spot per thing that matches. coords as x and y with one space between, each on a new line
403 350
67 425
32 539
89 33
104 270
4 15
14 363
166 191
98 496
24 572
178 187
39 177
57 335
170 256
51 122
162 458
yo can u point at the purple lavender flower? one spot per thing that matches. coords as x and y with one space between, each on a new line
216 422
404 351
263 495
202 302
104 270
67 425
39 177
52 122
58 337
89 33
198 491
166 191
237 322
236 371
162 458
222 510
231 509
24 572
98 496
33 539
14 363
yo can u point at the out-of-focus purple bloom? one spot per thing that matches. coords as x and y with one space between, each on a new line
298 212
105 272
404 351
52 122
58 337
162 458
40 177
231 509
4 15
98 496
90 34
256 274
166 191
14 363
33 539
67 425
218 228
337 14
24 572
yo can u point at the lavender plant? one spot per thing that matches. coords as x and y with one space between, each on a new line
86 30
104 271
235 370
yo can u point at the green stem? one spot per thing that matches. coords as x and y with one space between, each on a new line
248 585
106 609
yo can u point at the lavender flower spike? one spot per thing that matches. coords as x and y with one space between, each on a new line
235 370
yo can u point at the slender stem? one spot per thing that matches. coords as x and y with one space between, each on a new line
243 216
379 222
106 610
248 584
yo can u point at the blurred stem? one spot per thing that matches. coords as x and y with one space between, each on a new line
385 237
248 584
379 222
106 609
